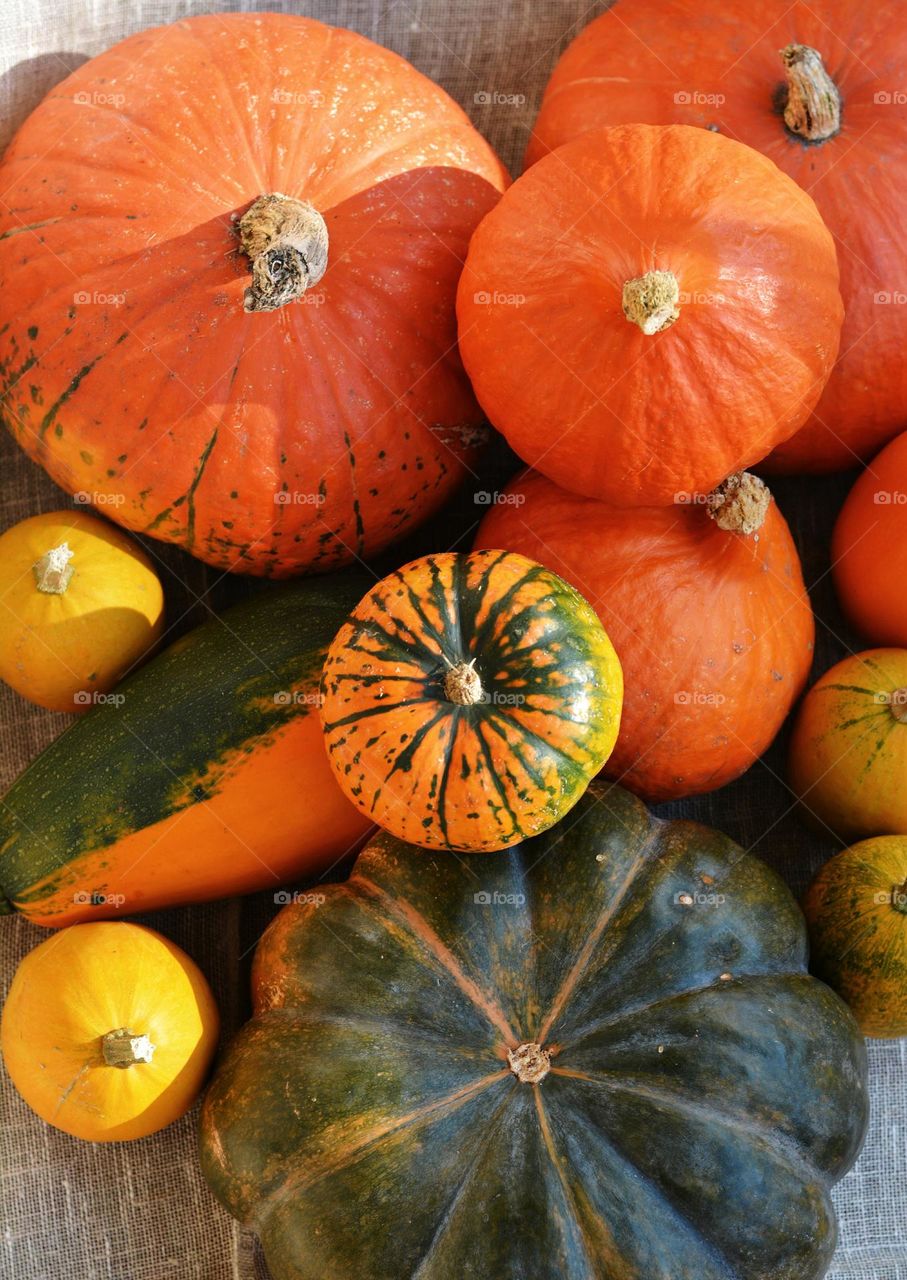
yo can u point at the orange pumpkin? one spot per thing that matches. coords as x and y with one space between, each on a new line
81 606
869 548
469 700
238 318
648 311
856 909
706 607
848 751
819 90
108 1031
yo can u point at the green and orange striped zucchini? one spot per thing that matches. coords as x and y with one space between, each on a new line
206 776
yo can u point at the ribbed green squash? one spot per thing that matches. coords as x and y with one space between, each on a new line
203 775
595 1056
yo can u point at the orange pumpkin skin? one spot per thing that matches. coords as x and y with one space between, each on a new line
718 67
597 381
856 910
869 548
469 700
268 442
713 628
848 750
68 1000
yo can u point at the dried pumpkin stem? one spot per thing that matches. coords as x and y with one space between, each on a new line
462 685
123 1048
286 241
897 704
651 301
813 109
740 503
529 1062
53 572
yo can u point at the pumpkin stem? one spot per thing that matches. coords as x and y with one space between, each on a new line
529 1062
651 301
462 685
813 109
53 572
287 243
123 1048
740 503
897 704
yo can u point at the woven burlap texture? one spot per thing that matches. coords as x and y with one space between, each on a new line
141 1211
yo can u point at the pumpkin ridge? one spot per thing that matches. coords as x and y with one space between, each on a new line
434 946
210 61
340 1158
797 1160
377 711
481 1151
592 1028
737 854
578 969
534 739
428 627
488 758
678 1213
484 634
569 1192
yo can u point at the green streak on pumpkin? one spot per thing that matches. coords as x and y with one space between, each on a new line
190 492
50 417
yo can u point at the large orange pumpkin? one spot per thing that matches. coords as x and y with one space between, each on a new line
649 310
706 607
869 548
819 88
153 349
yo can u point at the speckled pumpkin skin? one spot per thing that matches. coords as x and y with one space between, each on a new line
265 443
484 776
704 1091
856 909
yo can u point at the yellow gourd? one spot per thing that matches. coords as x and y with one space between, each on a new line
80 605
108 1031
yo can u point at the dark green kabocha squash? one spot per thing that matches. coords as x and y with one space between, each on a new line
595 1056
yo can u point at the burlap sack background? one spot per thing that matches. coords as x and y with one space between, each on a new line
141 1211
